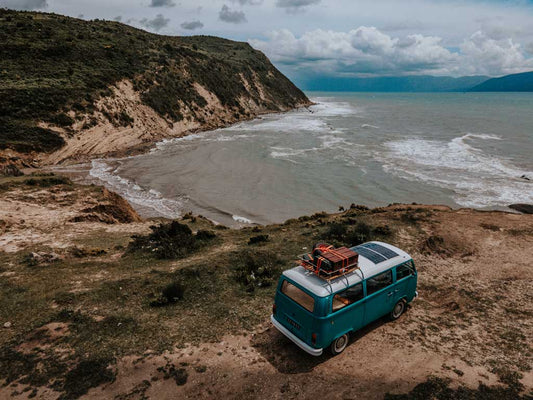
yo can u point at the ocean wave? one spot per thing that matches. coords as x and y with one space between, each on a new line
326 107
478 179
243 220
135 194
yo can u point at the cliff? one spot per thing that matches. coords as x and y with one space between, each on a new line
74 89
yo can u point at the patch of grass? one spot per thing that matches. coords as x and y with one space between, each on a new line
48 181
85 375
439 389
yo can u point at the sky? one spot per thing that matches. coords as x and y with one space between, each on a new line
340 38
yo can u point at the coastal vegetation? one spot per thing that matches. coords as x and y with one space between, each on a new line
50 86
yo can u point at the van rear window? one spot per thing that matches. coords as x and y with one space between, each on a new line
298 295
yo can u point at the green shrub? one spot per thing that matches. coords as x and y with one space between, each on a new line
258 239
254 269
171 241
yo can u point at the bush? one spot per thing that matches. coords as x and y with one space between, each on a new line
346 235
256 269
170 294
336 231
205 235
258 239
171 241
48 182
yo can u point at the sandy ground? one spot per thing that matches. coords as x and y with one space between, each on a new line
473 316
43 216
442 334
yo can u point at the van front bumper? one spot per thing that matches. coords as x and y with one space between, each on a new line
298 342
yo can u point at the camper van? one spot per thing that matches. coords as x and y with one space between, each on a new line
317 312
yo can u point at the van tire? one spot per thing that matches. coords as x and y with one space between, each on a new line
398 310
339 344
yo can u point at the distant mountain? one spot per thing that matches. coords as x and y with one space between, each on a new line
510 83
392 84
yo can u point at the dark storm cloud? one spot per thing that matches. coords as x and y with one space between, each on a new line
158 23
233 17
24 4
162 3
192 25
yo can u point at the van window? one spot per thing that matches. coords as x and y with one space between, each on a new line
404 270
378 282
347 297
298 295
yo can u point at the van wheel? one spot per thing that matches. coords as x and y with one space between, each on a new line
339 344
398 310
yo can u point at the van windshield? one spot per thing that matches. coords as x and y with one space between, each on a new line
298 295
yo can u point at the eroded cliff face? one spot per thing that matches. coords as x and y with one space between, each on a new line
103 133
73 89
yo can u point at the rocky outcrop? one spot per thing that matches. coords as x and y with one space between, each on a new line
522 208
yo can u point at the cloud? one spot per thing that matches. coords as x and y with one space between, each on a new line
248 2
24 4
158 23
234 17
192 25
118 18
486 55
295 5
162 3
366 51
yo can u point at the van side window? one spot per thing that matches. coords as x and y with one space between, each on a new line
298 295
404 270
378 282
347 297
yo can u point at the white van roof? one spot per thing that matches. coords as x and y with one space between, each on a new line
374 257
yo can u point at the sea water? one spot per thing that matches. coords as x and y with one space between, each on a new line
458 149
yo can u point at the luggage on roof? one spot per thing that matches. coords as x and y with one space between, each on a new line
329 262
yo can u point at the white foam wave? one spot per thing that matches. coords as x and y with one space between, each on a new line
238 218
326 107
477 178
369 126
132 192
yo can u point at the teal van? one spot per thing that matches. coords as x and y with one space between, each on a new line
316 313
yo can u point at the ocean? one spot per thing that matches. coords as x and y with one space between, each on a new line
458 149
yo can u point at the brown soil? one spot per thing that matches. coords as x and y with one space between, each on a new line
472 323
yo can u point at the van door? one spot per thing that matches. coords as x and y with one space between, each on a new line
347 310
380 296
405 276
294 310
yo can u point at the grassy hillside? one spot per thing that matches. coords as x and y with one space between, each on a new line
510 83
51 64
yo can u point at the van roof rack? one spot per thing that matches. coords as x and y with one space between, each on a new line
338 262
322 273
